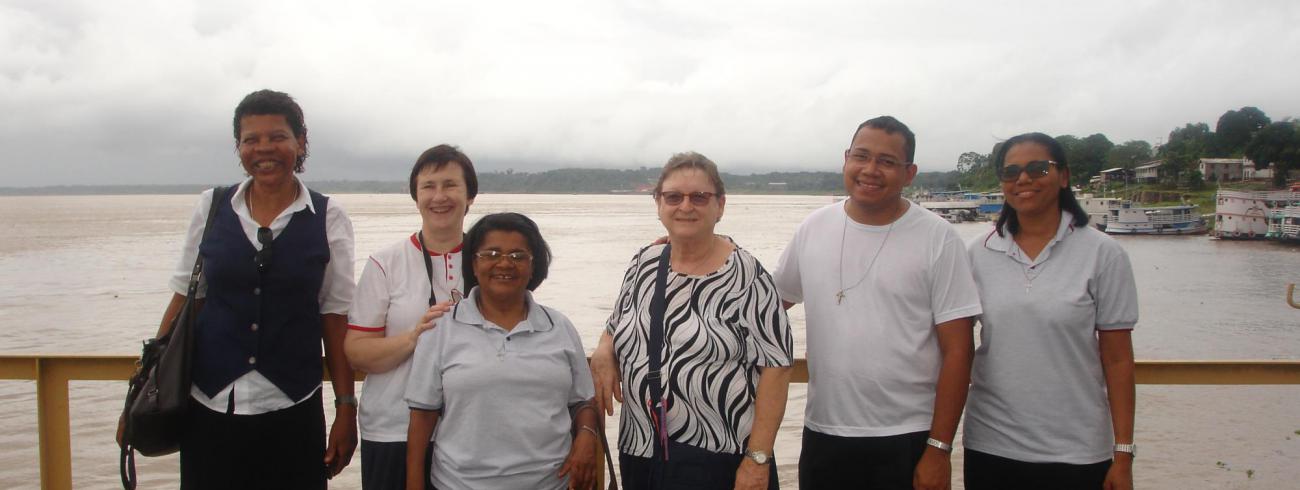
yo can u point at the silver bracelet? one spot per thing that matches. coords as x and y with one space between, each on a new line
589 429
942 446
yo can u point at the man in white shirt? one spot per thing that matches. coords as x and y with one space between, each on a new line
889 301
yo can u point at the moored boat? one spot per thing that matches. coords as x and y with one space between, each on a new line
1099 209
1162 220
1246 214
1284 224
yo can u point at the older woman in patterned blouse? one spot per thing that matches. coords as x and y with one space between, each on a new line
726 349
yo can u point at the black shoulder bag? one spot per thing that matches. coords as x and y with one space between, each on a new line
159 392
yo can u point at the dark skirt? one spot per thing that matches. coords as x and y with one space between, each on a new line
275 450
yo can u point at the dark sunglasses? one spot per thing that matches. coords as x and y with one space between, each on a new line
673 198
1035 169
263 257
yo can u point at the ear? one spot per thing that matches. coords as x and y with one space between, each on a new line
722 206
911 174
1065 179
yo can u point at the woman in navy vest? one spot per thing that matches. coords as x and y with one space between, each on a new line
278 267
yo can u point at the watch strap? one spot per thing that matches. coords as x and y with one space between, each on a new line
940 445
1131 449
759 457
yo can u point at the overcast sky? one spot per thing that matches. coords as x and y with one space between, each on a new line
136 92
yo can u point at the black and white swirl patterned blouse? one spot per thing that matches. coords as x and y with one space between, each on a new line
720 328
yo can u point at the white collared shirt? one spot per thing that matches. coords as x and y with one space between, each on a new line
254 393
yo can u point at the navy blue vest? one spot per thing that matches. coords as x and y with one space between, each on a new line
268 321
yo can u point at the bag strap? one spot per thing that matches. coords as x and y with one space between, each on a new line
220 195
654 349
126 459
609 459
428 266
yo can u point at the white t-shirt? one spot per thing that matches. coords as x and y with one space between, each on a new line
391 297
1038 392
873 359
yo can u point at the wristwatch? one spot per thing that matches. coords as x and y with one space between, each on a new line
759 457
1131 449
345 400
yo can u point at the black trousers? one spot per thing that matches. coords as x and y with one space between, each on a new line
986 471
834 462
691 468
383 465
276 450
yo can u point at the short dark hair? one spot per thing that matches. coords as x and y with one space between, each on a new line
507 222
268 102
438 157
1065 198
690 159
890 126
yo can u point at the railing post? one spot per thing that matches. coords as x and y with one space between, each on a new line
53 425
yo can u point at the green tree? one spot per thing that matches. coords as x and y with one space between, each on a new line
1278 146
1235 130
1129 154
1186 146
1086 156
970 161
975 171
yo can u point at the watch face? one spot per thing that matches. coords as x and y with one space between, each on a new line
758 457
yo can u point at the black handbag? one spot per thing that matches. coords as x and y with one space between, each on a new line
159 392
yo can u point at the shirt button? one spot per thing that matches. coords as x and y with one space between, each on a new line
257 291
254 328
252 360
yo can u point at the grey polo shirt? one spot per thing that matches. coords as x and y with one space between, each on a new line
1038 392
504 396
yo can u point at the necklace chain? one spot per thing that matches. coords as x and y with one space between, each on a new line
839 296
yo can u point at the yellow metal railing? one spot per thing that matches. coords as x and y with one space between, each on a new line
52 373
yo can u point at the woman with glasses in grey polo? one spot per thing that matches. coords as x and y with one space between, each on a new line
501 383
1052 392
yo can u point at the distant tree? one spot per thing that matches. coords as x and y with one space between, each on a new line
1235 130
1129 154
1278 146
1186 146
1086 156
1194 180
970 161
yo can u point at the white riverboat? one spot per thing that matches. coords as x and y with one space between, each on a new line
1099 209
1247 214
1162 220
1284 224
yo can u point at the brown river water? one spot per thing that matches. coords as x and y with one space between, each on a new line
87 275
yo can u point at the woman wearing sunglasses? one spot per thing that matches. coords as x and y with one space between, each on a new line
706 384
278 272
1052 393
501 384
403 289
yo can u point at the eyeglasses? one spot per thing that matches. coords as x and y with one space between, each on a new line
494 256
1035 169
674 198
263 257
863 158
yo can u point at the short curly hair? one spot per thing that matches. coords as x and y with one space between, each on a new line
267 102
